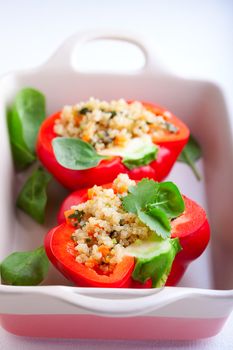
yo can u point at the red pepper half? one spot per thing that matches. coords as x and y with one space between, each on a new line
170 146
192 229
60 250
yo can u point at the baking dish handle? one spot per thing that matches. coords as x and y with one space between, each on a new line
62 59
134 304
108 302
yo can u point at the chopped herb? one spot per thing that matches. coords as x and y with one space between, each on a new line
107 140
170 127
78 214
113 114
84 110
100 135
122 221
88 240
113 234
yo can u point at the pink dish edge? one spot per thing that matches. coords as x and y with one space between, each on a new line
98 327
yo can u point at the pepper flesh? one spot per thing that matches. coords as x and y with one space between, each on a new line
192 229
170 147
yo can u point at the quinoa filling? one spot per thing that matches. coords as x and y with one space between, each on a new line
103 229
106 125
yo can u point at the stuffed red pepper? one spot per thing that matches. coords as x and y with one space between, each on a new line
127 234
92 142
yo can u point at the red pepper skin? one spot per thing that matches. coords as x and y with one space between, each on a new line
60 250
170 147
192 229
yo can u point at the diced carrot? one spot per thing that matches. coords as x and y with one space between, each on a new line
154 127
91 193
107 259
86 137
120 140
104 250
120 189
77 119
99 226
123 189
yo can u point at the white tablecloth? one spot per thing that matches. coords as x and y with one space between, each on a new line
193 38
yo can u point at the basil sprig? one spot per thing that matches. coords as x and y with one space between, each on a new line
155 204
75 154
24 119
190 154
25 268
33 196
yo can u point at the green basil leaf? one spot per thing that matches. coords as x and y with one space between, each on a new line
169 199
141 156
75 154
155 204
29 107
21 154
155 261
190 154
33 197
24 119
140 195
157 221
25 268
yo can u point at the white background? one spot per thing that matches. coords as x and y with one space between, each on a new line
193 38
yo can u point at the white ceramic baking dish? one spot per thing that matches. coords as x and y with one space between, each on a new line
204 299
